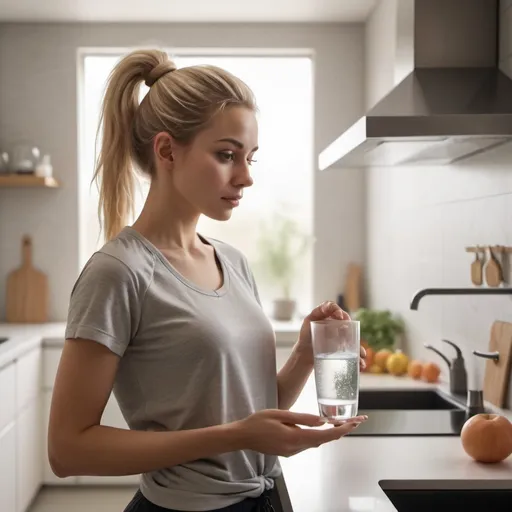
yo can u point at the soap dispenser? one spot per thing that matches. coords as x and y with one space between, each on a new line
475 400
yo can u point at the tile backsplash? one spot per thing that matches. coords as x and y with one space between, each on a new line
420 222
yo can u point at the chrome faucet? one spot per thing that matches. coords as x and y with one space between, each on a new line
458 374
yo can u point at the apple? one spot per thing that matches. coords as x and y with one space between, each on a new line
487 437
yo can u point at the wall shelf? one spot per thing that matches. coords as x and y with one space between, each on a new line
19 180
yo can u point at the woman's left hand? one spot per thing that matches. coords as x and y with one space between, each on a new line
326 310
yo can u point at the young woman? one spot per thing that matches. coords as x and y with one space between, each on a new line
171 320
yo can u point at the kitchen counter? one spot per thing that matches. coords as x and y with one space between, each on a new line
341 476
23 337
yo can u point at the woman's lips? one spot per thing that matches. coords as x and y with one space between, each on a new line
233 201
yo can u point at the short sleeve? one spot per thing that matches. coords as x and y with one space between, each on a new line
105 303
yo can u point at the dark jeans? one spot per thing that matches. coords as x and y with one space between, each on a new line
267 502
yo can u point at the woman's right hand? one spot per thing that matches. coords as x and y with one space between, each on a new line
277 432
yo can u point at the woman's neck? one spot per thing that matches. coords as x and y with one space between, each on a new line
167 222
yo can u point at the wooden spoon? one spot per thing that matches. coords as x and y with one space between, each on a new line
493 273
477 269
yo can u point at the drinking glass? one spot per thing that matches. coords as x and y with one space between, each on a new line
336 349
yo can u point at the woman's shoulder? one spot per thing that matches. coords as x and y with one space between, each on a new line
123 258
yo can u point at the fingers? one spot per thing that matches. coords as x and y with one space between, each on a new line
328 309
356 419
318 437
295 418
362 362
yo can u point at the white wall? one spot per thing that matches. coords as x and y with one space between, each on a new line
38 101
419 222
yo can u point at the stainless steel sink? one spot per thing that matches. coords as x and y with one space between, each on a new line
449 495
426 399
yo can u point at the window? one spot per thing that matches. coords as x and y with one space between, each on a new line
283 174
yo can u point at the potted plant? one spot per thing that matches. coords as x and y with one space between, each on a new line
379 329
281 245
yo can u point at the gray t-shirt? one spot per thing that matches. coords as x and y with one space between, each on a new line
190 358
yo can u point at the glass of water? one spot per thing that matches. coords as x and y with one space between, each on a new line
336 349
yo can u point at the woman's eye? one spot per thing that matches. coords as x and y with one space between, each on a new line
226 157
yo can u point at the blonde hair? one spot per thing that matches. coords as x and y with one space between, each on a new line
180 102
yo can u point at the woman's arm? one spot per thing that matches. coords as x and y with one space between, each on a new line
293 376
79 445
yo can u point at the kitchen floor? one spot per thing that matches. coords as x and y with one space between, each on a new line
82 499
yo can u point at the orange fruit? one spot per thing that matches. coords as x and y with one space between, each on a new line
431 372
381 356
415 369
396 364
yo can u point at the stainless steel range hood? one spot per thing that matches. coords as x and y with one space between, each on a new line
454 104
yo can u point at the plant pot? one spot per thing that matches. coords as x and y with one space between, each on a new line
284 309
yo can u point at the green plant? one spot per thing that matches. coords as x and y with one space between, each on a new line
281 245
379 328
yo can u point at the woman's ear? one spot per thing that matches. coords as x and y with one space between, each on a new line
162 146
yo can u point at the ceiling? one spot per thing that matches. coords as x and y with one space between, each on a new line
186 10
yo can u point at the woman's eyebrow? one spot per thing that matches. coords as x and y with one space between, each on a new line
236 143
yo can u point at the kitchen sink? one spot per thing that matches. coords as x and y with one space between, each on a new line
410 412
449 495
425 399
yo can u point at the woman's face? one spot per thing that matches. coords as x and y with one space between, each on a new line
212 172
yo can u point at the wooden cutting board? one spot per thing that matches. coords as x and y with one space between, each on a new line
27 290
497 373
352 292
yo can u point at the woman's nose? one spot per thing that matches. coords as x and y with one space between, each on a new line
243 177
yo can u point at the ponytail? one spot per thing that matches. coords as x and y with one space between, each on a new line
114 171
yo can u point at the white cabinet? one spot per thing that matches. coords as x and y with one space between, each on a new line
28 454
26 387
8 469
7 395
28 427
28 377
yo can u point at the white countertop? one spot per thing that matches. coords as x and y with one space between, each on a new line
341 476
23 337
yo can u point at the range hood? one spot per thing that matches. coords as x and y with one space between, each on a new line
455 102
